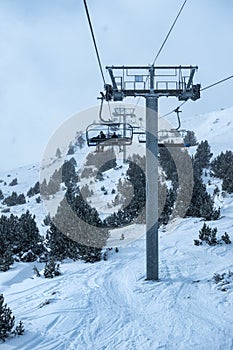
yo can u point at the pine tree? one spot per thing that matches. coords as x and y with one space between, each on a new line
20 236
6 244
58 153
203 155
221 164
60 246
1 195
202 204
30 243
225 238
34 190
207 235
135 210
6 254
80 139
190 138
81 233
51 269
7 321
19 329
14 182
227 184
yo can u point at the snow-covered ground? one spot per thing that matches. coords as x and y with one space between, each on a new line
216 127
109 305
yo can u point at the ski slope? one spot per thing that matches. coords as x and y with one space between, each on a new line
109 305
216 127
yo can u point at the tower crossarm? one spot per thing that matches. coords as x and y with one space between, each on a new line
175 81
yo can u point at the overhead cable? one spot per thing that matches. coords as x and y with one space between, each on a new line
203 89
168 34
94 41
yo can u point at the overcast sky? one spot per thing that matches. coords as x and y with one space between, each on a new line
49 71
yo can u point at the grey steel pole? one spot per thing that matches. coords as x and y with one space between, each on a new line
124 135
152 251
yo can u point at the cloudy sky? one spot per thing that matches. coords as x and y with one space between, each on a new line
49 71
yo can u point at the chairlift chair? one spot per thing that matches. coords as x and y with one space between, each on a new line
168 138
109 134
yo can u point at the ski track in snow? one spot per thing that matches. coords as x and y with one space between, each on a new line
110 305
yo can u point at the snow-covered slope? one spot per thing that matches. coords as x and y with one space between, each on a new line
216 127
109 305
26 176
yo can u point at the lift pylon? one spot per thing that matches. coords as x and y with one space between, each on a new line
152 82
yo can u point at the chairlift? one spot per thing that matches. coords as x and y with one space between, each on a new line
168 138
109 134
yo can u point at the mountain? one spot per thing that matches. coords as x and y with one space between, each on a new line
109 304
216 127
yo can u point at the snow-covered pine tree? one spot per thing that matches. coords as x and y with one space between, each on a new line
221 164
1 195
83 235
30 242
52 269
80 139
7 320
14 182
190 138
225 238
6 244
58 153
207 235
227 184
34 190
14 199
69 175
203 155
202 205
6 254
19 329
60 246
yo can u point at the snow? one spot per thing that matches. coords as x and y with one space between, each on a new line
216 127
110 305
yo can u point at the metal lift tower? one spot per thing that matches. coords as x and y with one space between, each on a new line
124 113
152 82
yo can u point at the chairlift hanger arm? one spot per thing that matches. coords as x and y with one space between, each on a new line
101 108
178 117
190 81
114 85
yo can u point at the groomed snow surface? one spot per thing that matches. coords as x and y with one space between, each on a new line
109 305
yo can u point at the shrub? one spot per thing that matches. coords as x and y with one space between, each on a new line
13 182
51 269
14 199
209 236
225 238
34 190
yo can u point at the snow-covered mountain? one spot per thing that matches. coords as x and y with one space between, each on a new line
109 304
216 127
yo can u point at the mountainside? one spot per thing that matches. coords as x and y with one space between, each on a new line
109 304
216 127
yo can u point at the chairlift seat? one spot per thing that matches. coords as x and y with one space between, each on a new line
115 134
